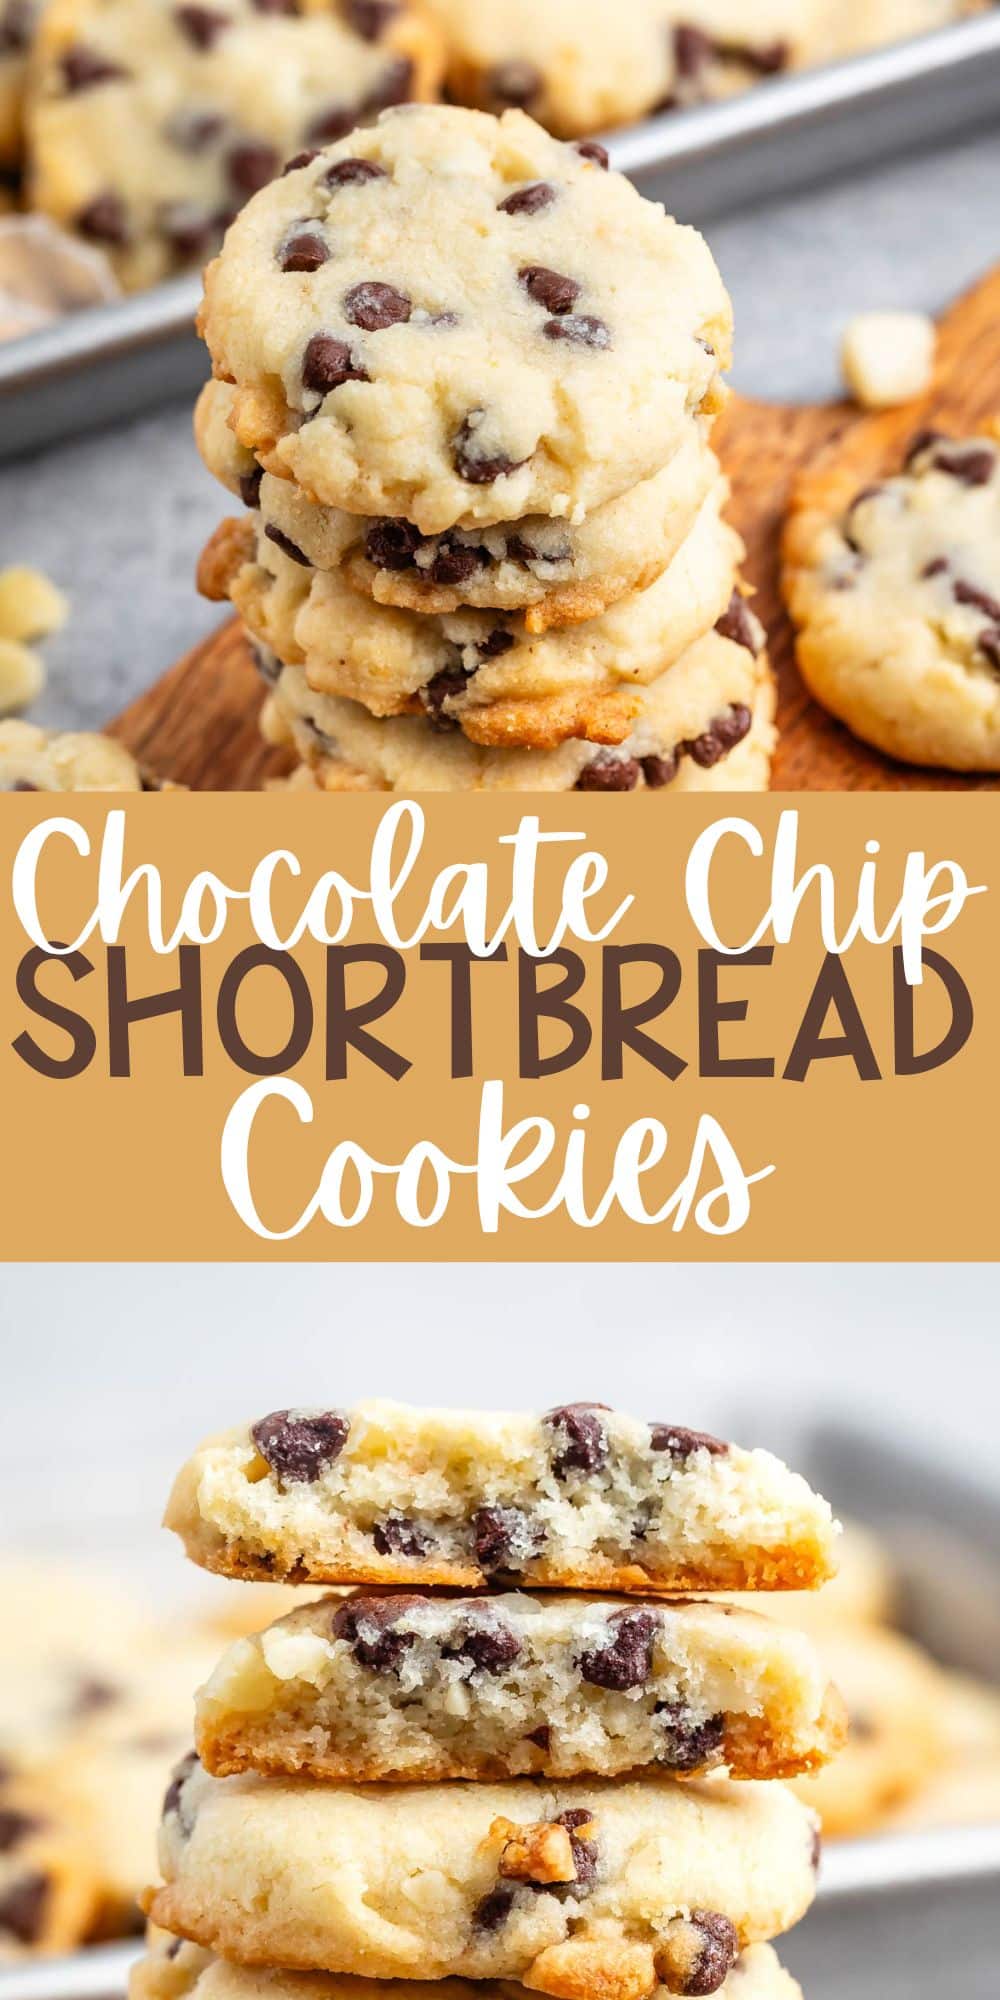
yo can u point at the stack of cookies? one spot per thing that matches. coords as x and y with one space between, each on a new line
441 1774
465 380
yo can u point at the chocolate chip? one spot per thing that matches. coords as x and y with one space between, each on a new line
480 468
989 646
350 173
250 486
682 1444
693 51
23 1908
201 25
84 69
370 18
374 306
514 84
815 1848
15 1827
493 1911
489 1643
521 551
717 1955
392 544
17 22
767 58
606 773
187 228
580 1436
455 562
591 149
541 1737
93 1695
739 624
627 1659
305 251
660 771
194 131
300 160
504 1538
394 86
295 554
528 200
937 567
397 1535
720 737
980 600
250 165
20 785
173 1795
328 362
334 122
922 441
687 1745
298 1445
581 329
105 219
368 1624
498 643
549 288
275 6
971 465
584 1851
444 686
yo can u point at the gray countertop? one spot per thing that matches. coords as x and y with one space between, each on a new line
118 518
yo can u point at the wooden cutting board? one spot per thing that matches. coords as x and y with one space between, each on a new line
197 725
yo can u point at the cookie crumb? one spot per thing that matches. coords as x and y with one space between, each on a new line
887 358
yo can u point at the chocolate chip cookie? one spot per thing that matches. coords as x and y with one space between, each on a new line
582 1497
457 320
489 676
595 1887
554 572
48 1888
150 122
41 760
412 1687
895 593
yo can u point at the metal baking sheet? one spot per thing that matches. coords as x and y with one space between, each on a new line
910 1916
113 361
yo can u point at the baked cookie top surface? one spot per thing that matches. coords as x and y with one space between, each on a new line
457 319
895 590
592 1879
152 121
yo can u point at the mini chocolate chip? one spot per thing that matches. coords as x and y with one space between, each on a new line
549 288
328 362
718 1954
334 122
529 200
720 737
688 1745
660 771
174 1948
591 149
455 562
201 25
493 1911
580 1436
20 785
23 1907
606 773
300 1445
682 1444
84 69
541 1737
295 554
514 84
275 6
504 1538
489 1643
397 1535
17 22
923 441
174 1791
815 1848
989 646
584 1851
980 600
498 643
105 219
300 160
15 1827
394 86
479 468
370 18
187 228
739 624
581 329
970 465
627 1659
693 50
443 687
937 567
93 1695
251 164
351 173
767 58
392 544
250 486
374 306
368 1625
194 131
521 551
305 251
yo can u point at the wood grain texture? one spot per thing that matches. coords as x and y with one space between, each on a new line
198 725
